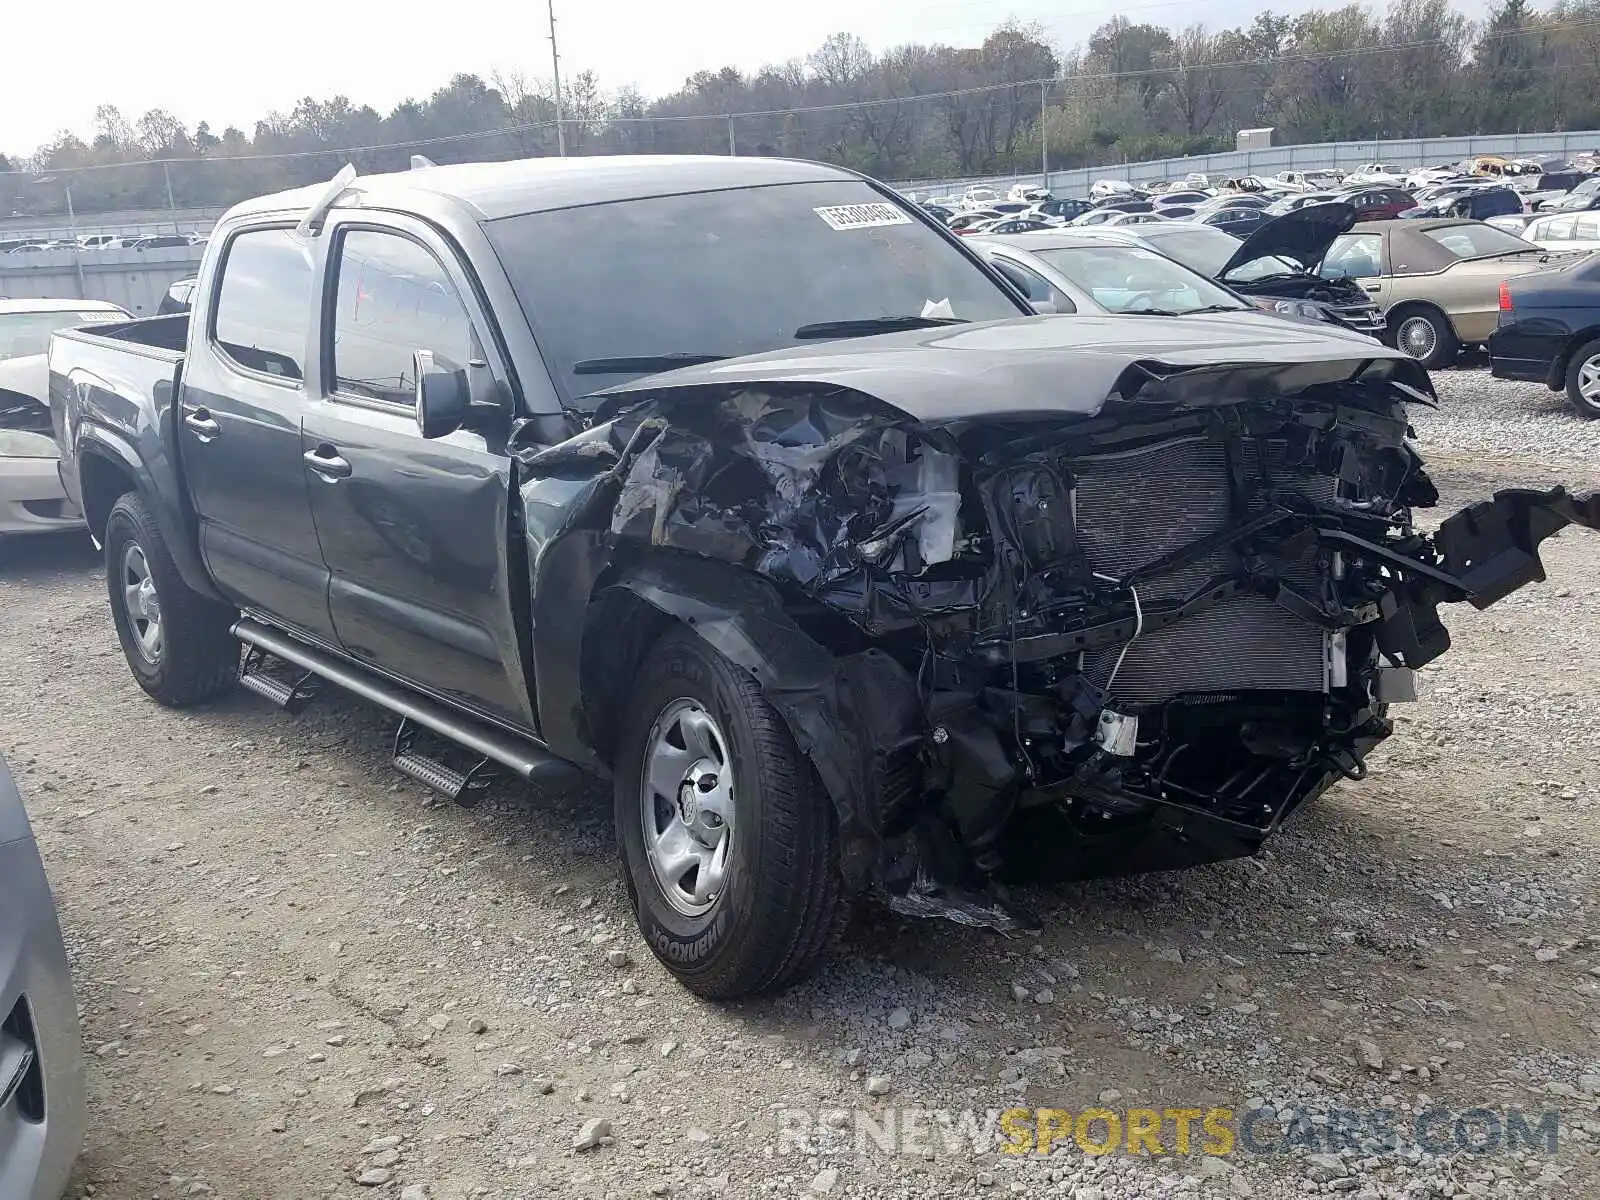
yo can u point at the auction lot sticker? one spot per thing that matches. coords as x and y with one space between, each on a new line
861 216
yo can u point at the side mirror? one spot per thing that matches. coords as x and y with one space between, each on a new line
1043 307
442 398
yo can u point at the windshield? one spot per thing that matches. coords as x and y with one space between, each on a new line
29 333
1470 241
1131 278
727 273
1202 249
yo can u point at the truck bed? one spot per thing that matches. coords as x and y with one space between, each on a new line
155 337
115 384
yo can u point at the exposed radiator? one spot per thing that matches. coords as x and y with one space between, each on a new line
1137 505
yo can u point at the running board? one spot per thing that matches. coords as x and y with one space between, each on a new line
466 790
291 697
523 756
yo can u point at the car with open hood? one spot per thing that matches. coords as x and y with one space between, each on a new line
849 573
1437 279
1276 264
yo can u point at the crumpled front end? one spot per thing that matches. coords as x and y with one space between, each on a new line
1126 641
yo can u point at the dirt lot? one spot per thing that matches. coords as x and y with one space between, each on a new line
300 977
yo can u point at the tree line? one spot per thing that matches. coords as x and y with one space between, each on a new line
1132 91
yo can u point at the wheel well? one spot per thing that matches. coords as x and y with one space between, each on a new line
101 480
1416 307
1558 369
618 630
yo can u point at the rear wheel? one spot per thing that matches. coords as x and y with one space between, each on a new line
728 841
176 641
1425 335
1583 380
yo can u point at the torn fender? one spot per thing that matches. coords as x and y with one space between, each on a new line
1493 546
1485 552
850 715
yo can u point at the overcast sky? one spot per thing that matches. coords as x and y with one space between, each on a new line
205 61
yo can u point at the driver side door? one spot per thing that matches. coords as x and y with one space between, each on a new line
416 532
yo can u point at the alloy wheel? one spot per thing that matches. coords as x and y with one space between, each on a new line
1417 337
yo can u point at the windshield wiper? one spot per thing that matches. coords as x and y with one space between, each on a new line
643 362
867 326
1183 312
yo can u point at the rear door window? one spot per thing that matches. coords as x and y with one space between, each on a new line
263 311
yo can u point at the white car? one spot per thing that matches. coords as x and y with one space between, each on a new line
31 498
1027 193
1428 176
977 197
1311 181
1564 231
1105 189
1375 174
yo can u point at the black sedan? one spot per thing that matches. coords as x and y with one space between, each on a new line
1549 332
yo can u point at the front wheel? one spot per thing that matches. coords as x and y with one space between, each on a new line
176 641
1427 337
1583 380
728 841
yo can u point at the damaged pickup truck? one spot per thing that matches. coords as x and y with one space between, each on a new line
742 483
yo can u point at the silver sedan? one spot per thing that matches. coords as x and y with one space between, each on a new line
41 1057
1067 271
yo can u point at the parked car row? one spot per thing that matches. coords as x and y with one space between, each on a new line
95 242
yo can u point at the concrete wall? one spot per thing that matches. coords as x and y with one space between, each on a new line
134 279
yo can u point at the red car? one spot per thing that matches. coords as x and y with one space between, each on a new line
1377 203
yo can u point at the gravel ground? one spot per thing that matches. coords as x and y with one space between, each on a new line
300 977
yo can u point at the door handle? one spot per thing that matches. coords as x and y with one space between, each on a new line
328 463
201 424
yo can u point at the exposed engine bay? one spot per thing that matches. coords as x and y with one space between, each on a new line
1307 286
1127 640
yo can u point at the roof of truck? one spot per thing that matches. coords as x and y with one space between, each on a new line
504 189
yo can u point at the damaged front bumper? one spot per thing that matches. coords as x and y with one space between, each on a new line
1014 649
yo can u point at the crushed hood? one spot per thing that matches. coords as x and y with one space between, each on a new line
1303 236
1069 365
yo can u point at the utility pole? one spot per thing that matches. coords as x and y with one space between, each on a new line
555 70
172 205
77 258
733 150
1044 135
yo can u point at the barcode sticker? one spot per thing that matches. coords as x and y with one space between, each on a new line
862 216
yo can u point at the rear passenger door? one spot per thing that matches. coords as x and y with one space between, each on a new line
243 397
416 532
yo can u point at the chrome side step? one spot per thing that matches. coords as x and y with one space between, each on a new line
523 756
